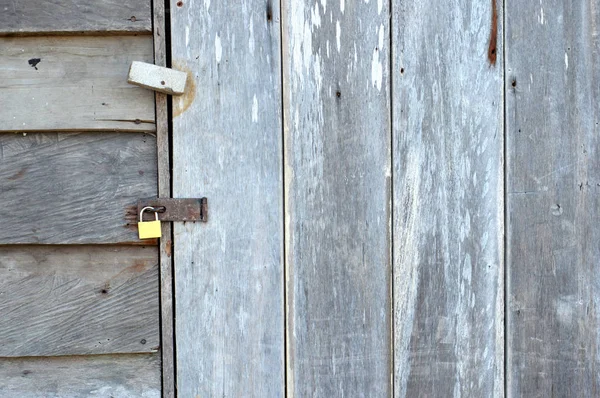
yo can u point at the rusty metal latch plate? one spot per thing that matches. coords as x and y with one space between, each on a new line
177 209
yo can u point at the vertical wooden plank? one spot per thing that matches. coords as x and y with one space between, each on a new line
227 147
448 198
337 187
553 189
164 191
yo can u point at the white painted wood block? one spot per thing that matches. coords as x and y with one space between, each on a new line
157 78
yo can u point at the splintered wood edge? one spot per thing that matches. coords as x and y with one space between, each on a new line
157 78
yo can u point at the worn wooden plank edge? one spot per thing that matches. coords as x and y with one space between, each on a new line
114 375
164 190
78 33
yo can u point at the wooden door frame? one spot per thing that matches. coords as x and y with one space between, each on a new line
159 33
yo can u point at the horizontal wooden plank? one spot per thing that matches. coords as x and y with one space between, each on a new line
73 83
74 300
61 16
74 187
122 376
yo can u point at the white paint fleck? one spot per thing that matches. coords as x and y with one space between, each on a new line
342 5
218 48
324 4
316 16
376 66
251 38
207 4
338 35
255 109
379 6
327 47
187 36
541 19
566 61
376 70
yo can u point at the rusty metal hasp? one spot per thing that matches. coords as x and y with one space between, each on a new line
169 209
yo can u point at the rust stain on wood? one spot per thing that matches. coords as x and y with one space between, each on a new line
493 35
182 102
19 174
168 248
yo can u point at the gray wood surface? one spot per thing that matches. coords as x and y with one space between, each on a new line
448 199
114 376
164 191
338 193
78 300
74 187
73 83
227 147
553 165
74 16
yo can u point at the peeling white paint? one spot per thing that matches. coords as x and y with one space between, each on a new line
218 48
324 4
187 36
338 35
566 61
207 4
316 16
251 38
379 6
254 109
376 65
342 5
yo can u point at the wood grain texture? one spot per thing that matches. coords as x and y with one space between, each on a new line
78 300
115 376
227 147
73 83
338 193
448 200
74 16
552 108
164 191
74 187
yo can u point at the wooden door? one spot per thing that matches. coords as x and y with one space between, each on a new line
352 154
79 292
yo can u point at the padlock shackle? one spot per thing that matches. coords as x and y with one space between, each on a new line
148 208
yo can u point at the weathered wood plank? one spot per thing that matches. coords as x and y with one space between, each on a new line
73 83
164 191
448 199
122 376
227 146
74 16
338 192
74 187
76 300
552 108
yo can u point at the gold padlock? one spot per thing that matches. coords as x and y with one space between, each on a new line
149 229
